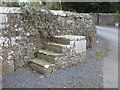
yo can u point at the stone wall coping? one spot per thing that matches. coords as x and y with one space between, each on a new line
67 13
6 10
102 13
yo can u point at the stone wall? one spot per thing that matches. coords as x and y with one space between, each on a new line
104 18
18 44
52 22
23 31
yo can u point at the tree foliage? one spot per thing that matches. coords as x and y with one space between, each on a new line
87 7
117 17
80 7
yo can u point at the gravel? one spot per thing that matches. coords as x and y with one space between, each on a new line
85 75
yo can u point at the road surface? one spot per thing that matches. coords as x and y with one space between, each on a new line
110 62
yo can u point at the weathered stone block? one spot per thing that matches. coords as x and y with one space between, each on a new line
19 62
2 26
10 10
42 63
47 55
40 69
78 43
7 67
59 48
3 18
80 46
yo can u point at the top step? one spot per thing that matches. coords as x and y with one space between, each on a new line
65 39
71 37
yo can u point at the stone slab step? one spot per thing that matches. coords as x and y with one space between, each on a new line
47 68
65 39
41 63
71 37
59 48
47 55
39 69
41 66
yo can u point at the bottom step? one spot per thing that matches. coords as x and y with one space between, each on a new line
45 67
40 69
41 66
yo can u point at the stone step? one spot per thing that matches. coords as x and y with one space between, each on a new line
65 39
60 41
59 48
47 55
41 63
45 67
41 66
60 53
77 43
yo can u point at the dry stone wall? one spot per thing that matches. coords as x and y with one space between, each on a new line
17 44
52 22
23 31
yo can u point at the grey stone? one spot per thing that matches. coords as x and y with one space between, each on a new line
40 69
3 18
10 10
59 48
7 67
47 55
2 26
19 62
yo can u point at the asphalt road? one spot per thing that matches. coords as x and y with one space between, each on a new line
110 62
